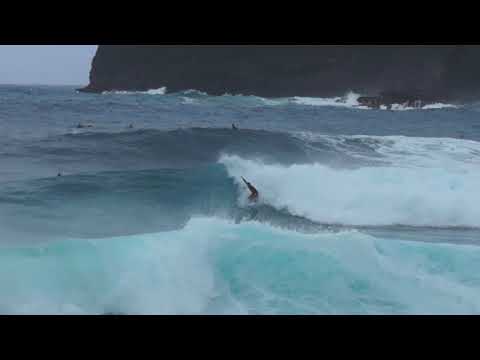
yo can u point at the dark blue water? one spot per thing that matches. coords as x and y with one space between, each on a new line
360 211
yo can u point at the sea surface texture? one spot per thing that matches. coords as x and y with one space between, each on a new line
360 211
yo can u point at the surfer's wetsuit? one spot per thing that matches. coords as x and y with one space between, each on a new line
254 192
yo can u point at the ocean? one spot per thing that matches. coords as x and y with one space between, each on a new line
360 211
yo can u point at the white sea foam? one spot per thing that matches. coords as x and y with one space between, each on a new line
195 92
349 100
160 91
439 106
435 106
188 101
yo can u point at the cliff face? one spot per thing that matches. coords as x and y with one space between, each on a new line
444 72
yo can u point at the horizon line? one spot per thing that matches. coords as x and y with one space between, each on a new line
40 84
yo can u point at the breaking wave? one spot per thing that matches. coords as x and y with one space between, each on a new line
412 185
214 266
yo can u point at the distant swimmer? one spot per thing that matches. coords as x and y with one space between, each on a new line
130 126
253 192
82 126
234 127
59 174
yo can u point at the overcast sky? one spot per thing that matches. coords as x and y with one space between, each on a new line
45 64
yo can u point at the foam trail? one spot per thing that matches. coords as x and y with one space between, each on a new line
216 266
366 196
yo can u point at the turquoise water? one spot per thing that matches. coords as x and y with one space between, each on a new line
214 266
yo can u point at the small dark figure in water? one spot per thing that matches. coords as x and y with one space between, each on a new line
253 192
234 127
130 126
59 174
82 126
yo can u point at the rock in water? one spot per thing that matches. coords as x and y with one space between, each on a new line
443 72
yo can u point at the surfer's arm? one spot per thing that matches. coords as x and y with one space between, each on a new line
250 187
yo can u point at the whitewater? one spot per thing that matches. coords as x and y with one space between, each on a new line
360 212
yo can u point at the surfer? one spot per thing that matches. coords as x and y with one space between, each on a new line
234 127
253 192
